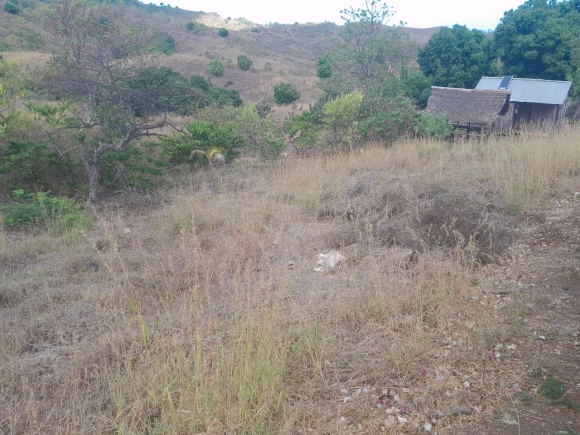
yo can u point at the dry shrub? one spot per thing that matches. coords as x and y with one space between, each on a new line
381 210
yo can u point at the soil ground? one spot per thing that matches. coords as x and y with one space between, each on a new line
546 260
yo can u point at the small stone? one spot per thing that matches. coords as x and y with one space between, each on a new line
428 427
566 288
356 423
402 420
342 419
460 410
126 230
347 399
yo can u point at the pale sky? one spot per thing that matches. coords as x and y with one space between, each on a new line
474 14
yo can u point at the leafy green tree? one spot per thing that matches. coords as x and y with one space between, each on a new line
223 32
190 26
367 48
285 93
11 8
244 62
417 86
458 57
98 63
215 67
324 69
540 39
341 117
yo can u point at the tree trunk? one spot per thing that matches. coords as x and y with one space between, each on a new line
93 184
577 114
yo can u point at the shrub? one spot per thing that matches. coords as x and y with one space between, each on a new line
59 214
190 26
223 32
244 62
216 68
4 46
285 93
341 117
11 8
324 71
436 126
162 43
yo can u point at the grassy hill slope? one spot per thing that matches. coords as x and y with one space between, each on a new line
280 52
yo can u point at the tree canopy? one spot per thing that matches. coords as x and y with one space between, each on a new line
458 57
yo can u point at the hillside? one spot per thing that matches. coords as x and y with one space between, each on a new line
280 52
200 308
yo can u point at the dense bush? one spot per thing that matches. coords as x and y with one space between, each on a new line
324 69
162 43
11 8
430 125
223 32
59 214
201 142
285 93
190 26
215 67
244 62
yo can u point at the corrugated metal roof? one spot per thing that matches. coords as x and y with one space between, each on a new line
531 90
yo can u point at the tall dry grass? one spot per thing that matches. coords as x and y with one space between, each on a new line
207 317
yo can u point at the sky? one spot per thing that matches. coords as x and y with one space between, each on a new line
420 14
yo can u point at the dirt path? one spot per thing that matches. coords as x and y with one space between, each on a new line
546 262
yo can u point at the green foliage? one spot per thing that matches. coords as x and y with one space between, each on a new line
162 43
309 126
285 93
436 126
417 87
541 39
324 69
33 165
223 32
11 8
458 57
215 67
190 26
213 95
244 62
204 136
4 46
29 38
368 48
132 169
224 97
261 131
199 82
551 388
159 89
341 118
59 214
387 126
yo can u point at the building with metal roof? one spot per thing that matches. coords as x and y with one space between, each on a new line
533 101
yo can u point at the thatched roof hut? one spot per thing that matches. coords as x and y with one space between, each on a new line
472 108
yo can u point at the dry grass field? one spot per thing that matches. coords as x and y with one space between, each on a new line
196 310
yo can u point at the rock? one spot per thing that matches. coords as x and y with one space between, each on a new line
460 410
218 159
328 261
